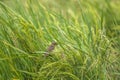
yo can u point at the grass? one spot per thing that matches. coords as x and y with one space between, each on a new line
87 34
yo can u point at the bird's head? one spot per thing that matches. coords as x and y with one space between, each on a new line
54 43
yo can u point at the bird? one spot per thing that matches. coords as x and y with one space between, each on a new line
50 48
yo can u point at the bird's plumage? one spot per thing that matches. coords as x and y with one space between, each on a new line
50 48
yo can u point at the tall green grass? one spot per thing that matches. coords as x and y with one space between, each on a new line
87 34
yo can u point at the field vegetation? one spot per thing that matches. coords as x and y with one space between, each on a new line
86 34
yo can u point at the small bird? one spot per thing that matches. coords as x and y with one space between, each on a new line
50 48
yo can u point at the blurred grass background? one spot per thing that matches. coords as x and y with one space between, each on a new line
87 33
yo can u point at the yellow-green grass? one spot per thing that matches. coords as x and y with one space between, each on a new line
87 33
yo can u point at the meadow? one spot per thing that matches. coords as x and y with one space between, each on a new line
87 34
